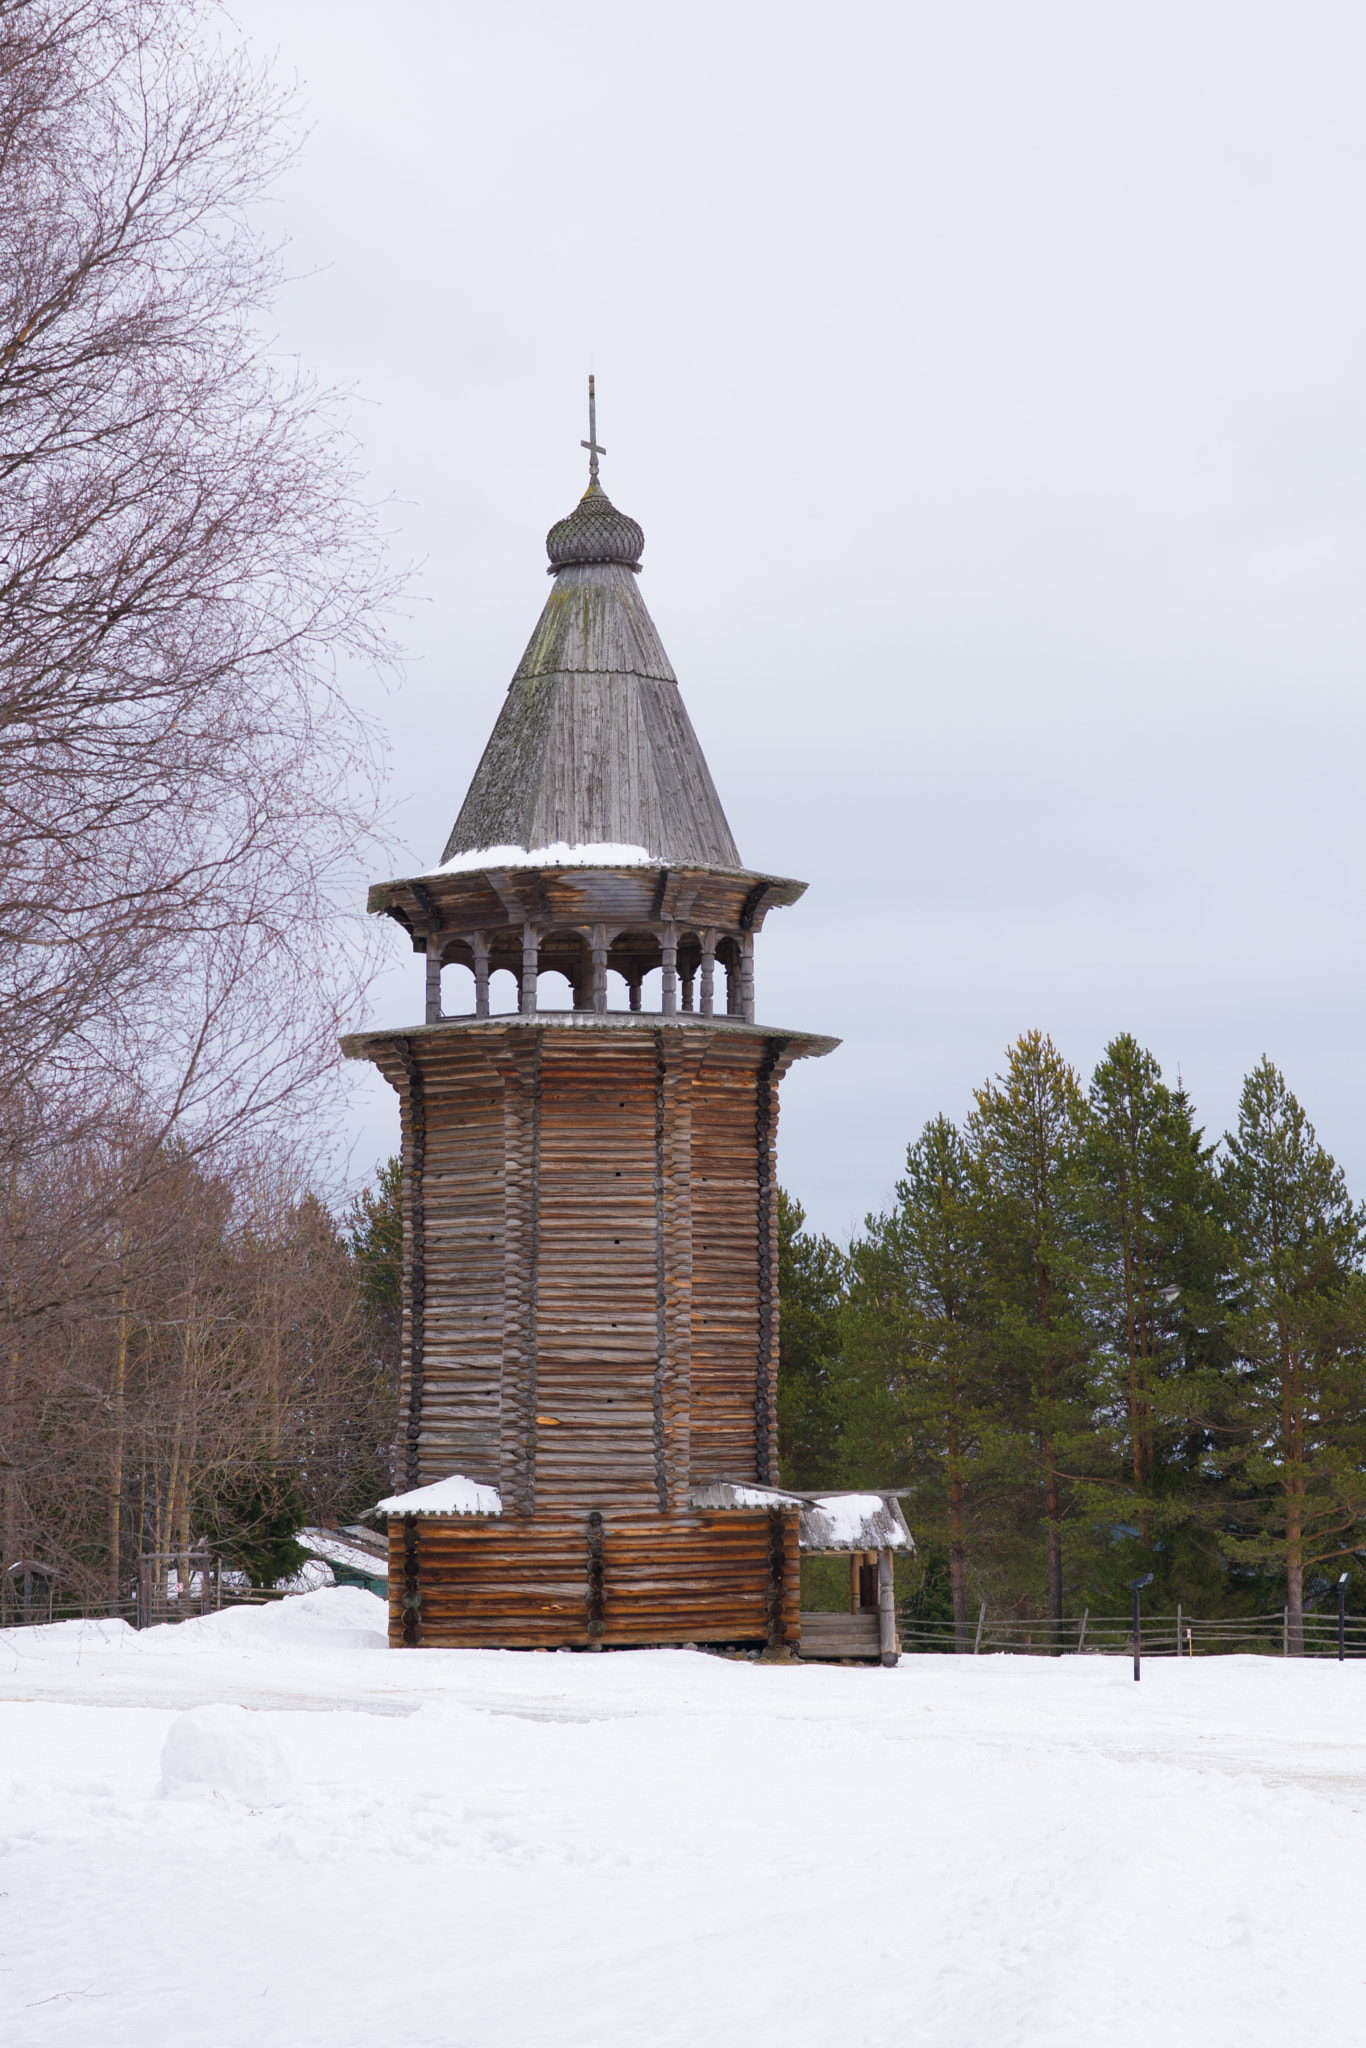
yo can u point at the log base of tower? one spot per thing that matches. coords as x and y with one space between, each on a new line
567 1582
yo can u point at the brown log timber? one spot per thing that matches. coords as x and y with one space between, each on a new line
590 1306
622 1580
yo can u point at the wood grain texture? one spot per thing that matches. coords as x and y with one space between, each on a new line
596 1301
594 745
662 1579
840 1635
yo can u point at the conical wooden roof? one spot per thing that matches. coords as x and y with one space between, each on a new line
594 746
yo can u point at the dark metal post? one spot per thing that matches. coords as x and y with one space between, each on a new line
1136 1587
1137 1657
1342 1617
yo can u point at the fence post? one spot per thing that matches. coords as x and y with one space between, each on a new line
981 1617
1178 1628
1285 1631
1081 1639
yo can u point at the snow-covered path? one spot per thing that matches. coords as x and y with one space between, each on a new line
443 1849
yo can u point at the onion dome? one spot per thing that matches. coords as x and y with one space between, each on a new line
594 532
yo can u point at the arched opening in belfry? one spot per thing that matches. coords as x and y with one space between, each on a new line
505 989
637 959
728 958
712 977
457 988
689 969
564 971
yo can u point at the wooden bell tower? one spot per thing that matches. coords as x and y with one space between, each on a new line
590 1238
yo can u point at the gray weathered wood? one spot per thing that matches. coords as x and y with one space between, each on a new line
841 1635
594 745
590 1313
886 1609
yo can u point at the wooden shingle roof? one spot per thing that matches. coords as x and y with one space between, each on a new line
594 745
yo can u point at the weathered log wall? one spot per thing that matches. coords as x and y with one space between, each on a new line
621 1580
590 1260
598 1323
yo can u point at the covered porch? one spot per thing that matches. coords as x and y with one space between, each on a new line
867 1528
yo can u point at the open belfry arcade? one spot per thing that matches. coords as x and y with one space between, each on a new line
588 1437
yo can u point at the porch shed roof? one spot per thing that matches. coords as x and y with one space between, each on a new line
825 1522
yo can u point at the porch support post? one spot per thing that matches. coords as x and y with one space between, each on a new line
886 1609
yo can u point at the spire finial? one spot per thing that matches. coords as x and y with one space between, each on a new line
591 444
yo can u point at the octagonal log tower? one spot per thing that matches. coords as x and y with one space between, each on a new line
590 1284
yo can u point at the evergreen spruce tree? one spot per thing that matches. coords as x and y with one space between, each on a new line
374 1236
1300 1333
812 1273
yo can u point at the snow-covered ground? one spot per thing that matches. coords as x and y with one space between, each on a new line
265 1830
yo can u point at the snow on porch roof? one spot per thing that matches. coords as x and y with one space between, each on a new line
336 1550
455 1495
826 1521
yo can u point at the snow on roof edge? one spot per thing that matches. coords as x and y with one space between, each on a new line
336 1550
454 1495
826 1522
561 855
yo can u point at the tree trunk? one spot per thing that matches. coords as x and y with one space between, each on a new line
1054 1538
1294 1570
9 1422
958 1567
119 1396
958 1556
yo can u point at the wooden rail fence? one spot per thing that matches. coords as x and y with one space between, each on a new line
1112 1635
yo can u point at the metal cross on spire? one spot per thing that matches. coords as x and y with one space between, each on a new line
591 444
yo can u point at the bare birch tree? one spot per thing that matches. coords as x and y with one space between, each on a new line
184 561
187 566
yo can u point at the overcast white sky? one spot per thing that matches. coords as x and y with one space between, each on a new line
988 380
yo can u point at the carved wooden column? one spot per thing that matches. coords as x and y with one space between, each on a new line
668 949
708 971
598 943
433 982
530 952
481 975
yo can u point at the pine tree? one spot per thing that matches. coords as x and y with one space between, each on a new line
1155 1285
918 1404
1026 1135
1300 1332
